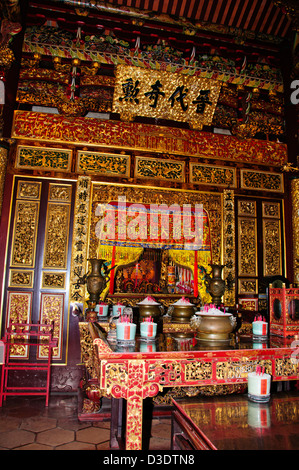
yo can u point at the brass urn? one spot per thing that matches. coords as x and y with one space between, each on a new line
149 308
213 327
182 311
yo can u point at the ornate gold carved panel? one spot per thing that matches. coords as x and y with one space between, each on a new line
53 280
52 310
19 305
170 170
28 190
56 243
3 165
261 180
247 249
19 278
247 286
25 224
42 158
149 138
103 163
60 192
272 247
247 208
271 209
212 175
240 369
24 234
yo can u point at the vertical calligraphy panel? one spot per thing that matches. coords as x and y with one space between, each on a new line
295 226
229 249
80 238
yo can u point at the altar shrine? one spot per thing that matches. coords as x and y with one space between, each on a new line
161 139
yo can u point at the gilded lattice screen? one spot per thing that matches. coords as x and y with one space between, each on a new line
257 216
37 288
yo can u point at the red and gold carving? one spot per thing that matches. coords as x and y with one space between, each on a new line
19 311
121 135
52 310
248 304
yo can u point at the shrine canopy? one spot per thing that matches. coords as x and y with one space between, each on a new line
125 229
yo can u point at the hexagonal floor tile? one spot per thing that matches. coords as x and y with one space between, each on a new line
72 424
77 446
104 446
34 446
8 423
93 435
38 424
16 438
55 437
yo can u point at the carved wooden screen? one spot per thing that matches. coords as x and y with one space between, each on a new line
260 248
38 257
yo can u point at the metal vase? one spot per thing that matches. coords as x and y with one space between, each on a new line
215 284
95 281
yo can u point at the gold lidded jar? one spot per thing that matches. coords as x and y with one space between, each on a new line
182 311
149 308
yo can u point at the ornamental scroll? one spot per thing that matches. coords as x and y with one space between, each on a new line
164 95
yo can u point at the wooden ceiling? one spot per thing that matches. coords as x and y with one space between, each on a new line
259 16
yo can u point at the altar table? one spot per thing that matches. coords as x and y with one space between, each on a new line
145 368
235 423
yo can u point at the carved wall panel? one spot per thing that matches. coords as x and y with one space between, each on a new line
295 224
247 208
103 163
248 286
40 257
150 138
42 158
56 243
170 170
3 165
53 280
19 307
25 224
247 249
212 175
263 217
272 239
261 180
272 247
52 310
19 278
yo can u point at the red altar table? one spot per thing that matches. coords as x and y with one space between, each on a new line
140 371
235 423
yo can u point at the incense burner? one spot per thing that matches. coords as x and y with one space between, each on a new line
213 327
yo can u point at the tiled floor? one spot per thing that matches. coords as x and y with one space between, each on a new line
26 424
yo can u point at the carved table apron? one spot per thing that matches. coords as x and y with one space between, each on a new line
135 375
